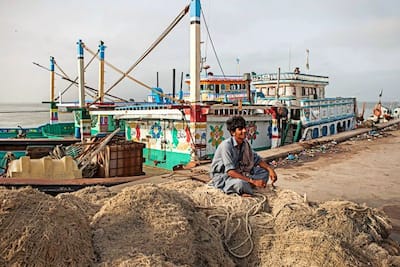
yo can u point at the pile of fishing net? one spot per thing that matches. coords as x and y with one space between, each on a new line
149 224
87 201
281 228
188 223
37 230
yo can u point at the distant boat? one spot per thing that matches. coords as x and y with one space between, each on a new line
302 107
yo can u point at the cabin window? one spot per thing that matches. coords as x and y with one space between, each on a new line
324 130
348 124
271 91
332 129
223 87
210 87
339 128
315 133
315 93
217 88
243 86
201 86
295 114
303 91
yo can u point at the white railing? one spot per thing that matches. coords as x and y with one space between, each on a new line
267 77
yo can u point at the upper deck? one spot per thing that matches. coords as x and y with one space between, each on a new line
289 77
291 85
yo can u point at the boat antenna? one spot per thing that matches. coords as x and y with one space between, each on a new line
307 59
277 83
181 90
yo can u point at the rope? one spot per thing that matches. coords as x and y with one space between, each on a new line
76 78
74 82
133 79
152 46
228 232
212 43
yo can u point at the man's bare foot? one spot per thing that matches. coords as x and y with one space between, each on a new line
246 195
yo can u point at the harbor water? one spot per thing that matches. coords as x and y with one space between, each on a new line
28 115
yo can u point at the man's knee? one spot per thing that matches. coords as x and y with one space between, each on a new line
260 174
240 187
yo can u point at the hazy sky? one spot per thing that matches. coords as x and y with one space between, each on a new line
354 42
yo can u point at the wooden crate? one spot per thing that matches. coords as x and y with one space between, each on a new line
124 159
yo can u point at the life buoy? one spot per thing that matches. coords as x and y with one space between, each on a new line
377 112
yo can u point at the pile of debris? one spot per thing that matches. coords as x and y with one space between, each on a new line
103 157
314 148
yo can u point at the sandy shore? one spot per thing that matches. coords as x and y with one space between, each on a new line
363 171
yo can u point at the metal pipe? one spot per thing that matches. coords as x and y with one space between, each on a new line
81 74
173 83
100 95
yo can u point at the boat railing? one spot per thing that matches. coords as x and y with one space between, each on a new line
232 110
289 76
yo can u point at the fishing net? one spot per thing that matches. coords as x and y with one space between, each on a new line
155 222
281 228
87 201
37 230
187 223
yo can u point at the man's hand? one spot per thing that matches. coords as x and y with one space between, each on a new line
273 176
258 183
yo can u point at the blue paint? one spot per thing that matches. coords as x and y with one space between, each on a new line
194 10
332 129
180 95
80 48
324 130
102 48
156 93
315 133
51 63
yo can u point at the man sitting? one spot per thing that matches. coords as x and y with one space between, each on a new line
236 168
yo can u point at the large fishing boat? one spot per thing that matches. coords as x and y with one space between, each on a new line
178 129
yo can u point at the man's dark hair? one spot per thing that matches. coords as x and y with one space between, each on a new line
235 122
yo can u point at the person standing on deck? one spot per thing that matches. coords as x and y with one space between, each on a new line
236 168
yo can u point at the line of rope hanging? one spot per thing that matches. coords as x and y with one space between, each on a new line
111 97
76 78
212 43
153 45
135 80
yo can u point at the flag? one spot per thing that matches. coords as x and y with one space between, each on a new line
380 94
307 60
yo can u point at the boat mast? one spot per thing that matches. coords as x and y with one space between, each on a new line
277 83
81 75
102 48
195 51
83 128
53 106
